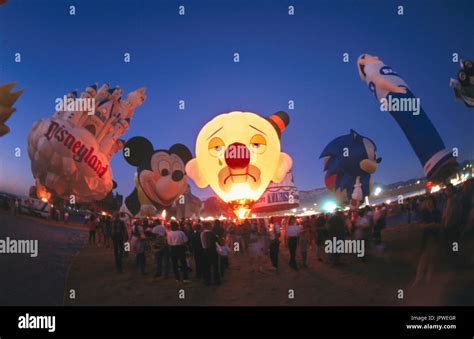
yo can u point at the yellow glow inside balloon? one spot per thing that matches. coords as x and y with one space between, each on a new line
238 154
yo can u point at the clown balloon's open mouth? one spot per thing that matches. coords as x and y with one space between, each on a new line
249 175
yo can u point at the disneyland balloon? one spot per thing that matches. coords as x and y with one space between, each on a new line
70 152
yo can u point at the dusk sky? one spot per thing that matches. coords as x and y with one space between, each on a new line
282 58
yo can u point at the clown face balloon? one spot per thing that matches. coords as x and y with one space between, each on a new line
238 154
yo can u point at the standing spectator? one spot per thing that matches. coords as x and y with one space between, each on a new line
119 237
336 229
91 227
380 217
305 240
223 257
362 229
66 217
321 235
136 230
160 246
177 242
87 217
17 206
140 247
274 232
108 231
99 232
218 229
291 235
211 268
246 230
196 247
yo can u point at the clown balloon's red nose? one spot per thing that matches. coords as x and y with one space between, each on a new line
237 156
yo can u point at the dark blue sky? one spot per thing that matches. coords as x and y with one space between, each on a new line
282 57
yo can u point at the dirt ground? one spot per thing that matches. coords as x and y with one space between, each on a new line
250 281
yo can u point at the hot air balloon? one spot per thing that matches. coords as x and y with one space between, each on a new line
238 155
349 162
160 177
7 100
70 151
463 86
395 97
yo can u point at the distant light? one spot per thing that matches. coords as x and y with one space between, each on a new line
293 210
367 202
254 215
173 218
377 191
315 204
329 206
44 200
388 202
435 189
304 209
418 181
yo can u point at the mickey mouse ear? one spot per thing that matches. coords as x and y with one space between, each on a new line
182 151
137 150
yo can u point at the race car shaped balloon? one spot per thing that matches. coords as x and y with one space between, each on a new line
463 86
349 162
7 100
70 151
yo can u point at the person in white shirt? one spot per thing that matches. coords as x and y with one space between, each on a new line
291 234
177 243
159 229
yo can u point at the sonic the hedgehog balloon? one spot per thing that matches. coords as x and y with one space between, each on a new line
238 155
464 84
349 161
160 177
7 100
70 152
396 98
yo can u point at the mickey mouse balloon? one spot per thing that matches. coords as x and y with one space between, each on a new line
160 177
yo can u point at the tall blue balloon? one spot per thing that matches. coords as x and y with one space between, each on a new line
395 97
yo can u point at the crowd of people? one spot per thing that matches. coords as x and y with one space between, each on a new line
201 249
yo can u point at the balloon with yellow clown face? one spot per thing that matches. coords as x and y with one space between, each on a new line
238 155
